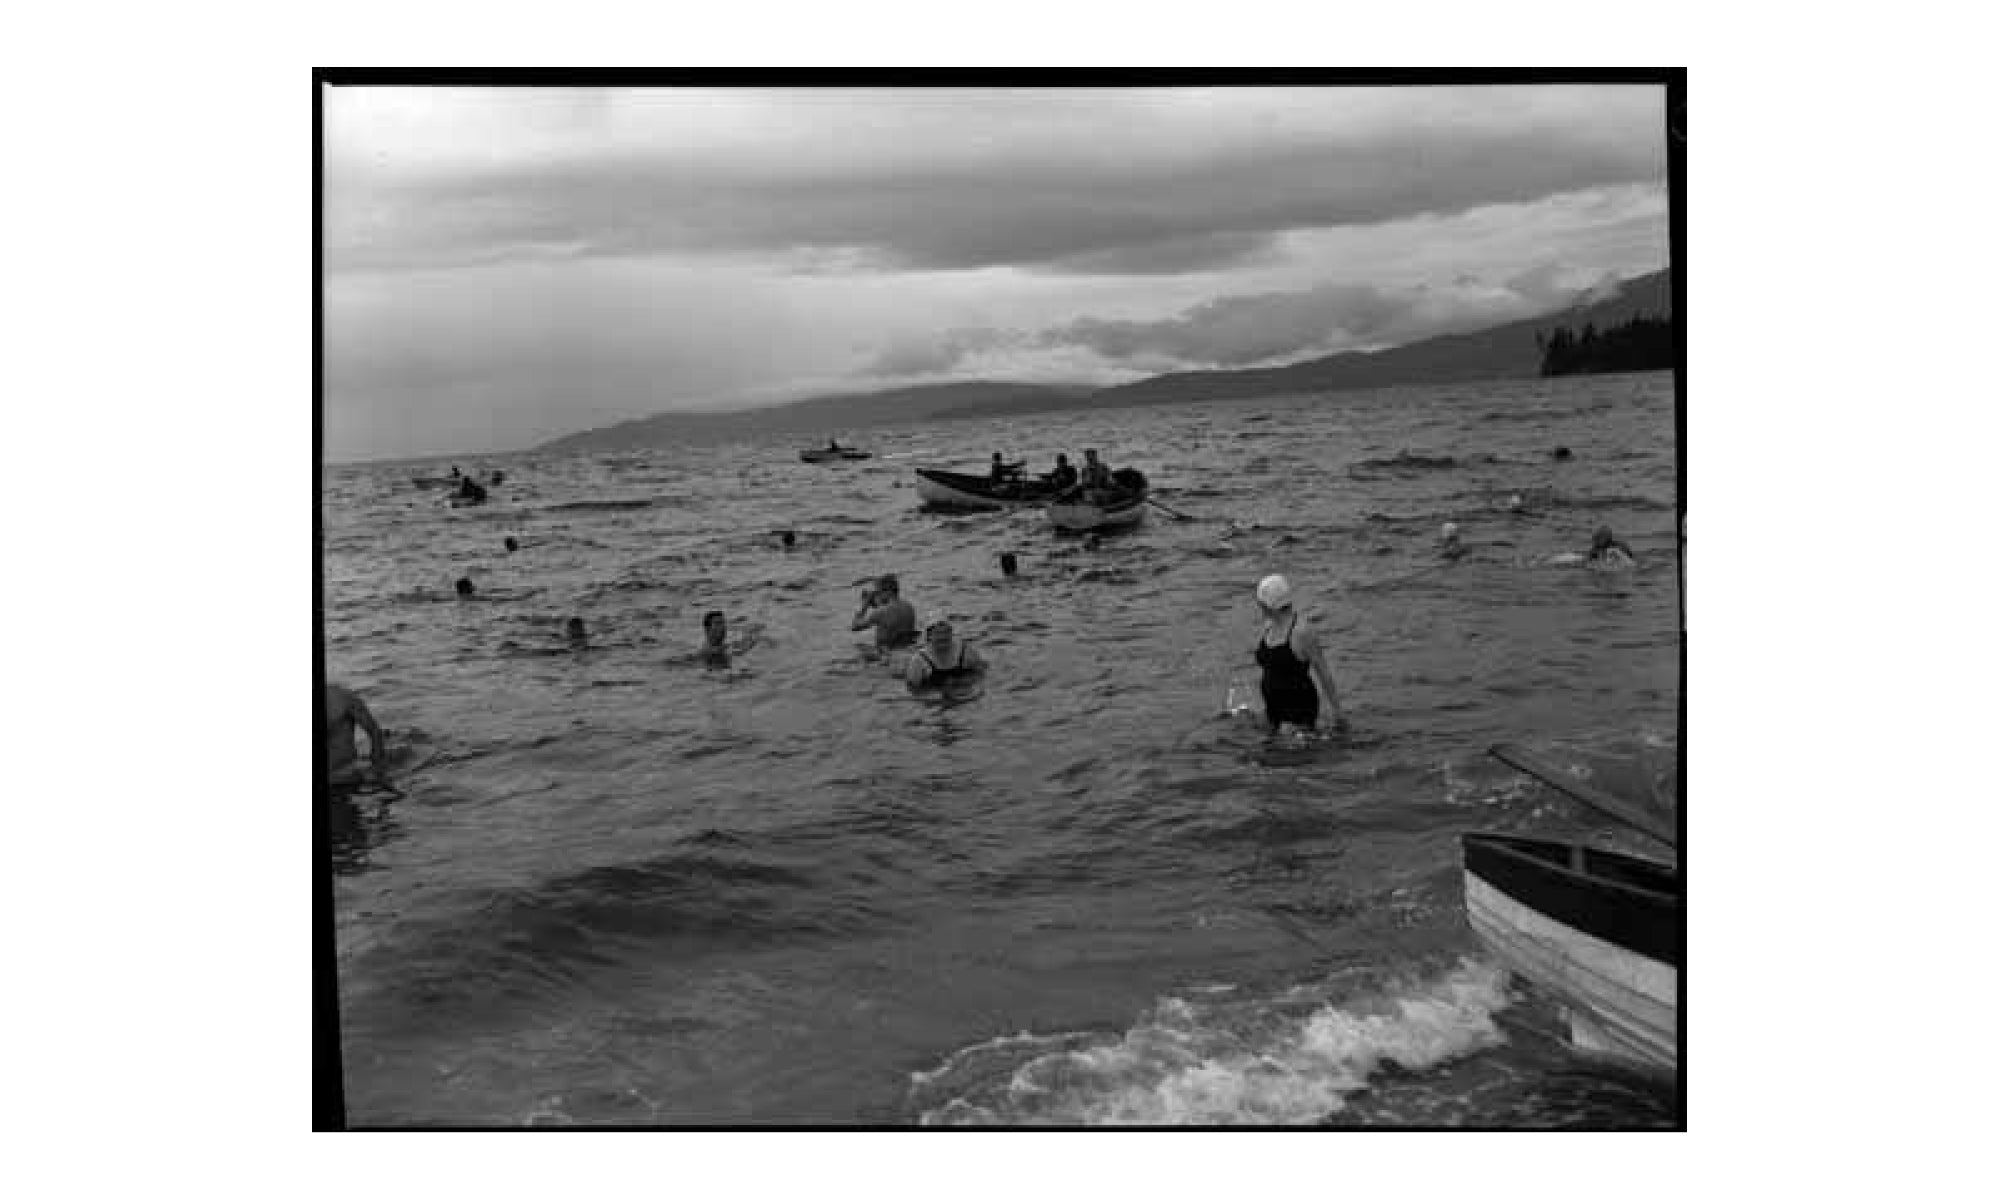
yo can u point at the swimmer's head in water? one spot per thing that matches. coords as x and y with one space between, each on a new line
938 634
1562 451
888 588
1602 539
512 545
573 629
788 538
714 627
463 586
1274 592
1008 563
1450 532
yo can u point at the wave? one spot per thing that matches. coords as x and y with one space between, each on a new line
597 505
1408 460
1592 503
1213 1058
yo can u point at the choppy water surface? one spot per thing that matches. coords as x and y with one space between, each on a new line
624 886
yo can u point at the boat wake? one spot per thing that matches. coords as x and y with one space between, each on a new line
1213 1057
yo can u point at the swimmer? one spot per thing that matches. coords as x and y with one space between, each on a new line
463 587
1562 453
1009 564
715 645
893 618
575 635
1290 655
1608 551
942 658
1448 544
345 712
788 539
512 545
714 639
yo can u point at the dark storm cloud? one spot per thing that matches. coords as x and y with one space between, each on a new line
1138 202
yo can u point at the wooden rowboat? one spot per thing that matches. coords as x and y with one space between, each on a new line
842 454
1602 932
951 489
1101 509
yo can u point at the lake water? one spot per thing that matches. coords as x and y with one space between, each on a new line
624 886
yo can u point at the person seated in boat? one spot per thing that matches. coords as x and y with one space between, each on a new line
833 445
1607 551
1003 473
1064 476
942 658
454 471
345 713
1290 656
1448 544
1096 474
893 618
469 489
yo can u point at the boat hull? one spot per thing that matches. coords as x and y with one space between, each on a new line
1602 932
1084 518
841 455
949 489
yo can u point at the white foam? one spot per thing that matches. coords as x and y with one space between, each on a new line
1236 1064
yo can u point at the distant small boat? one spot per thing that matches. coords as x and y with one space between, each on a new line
833 454
1087 509
1602 932
952 489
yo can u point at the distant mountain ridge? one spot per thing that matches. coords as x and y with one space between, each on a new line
821 416
1506 351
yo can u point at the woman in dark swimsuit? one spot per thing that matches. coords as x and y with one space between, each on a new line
1289 653
942 658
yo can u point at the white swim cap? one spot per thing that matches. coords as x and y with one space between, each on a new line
1450 529
1274 592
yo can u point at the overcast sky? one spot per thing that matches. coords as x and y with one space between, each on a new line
503 266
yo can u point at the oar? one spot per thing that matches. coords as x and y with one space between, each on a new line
1176 514
1630 812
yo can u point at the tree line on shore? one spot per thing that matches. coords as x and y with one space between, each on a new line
1644 343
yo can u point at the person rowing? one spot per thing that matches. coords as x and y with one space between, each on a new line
942 658
1289 653
1003 472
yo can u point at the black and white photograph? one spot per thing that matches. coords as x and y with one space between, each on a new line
1067 599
